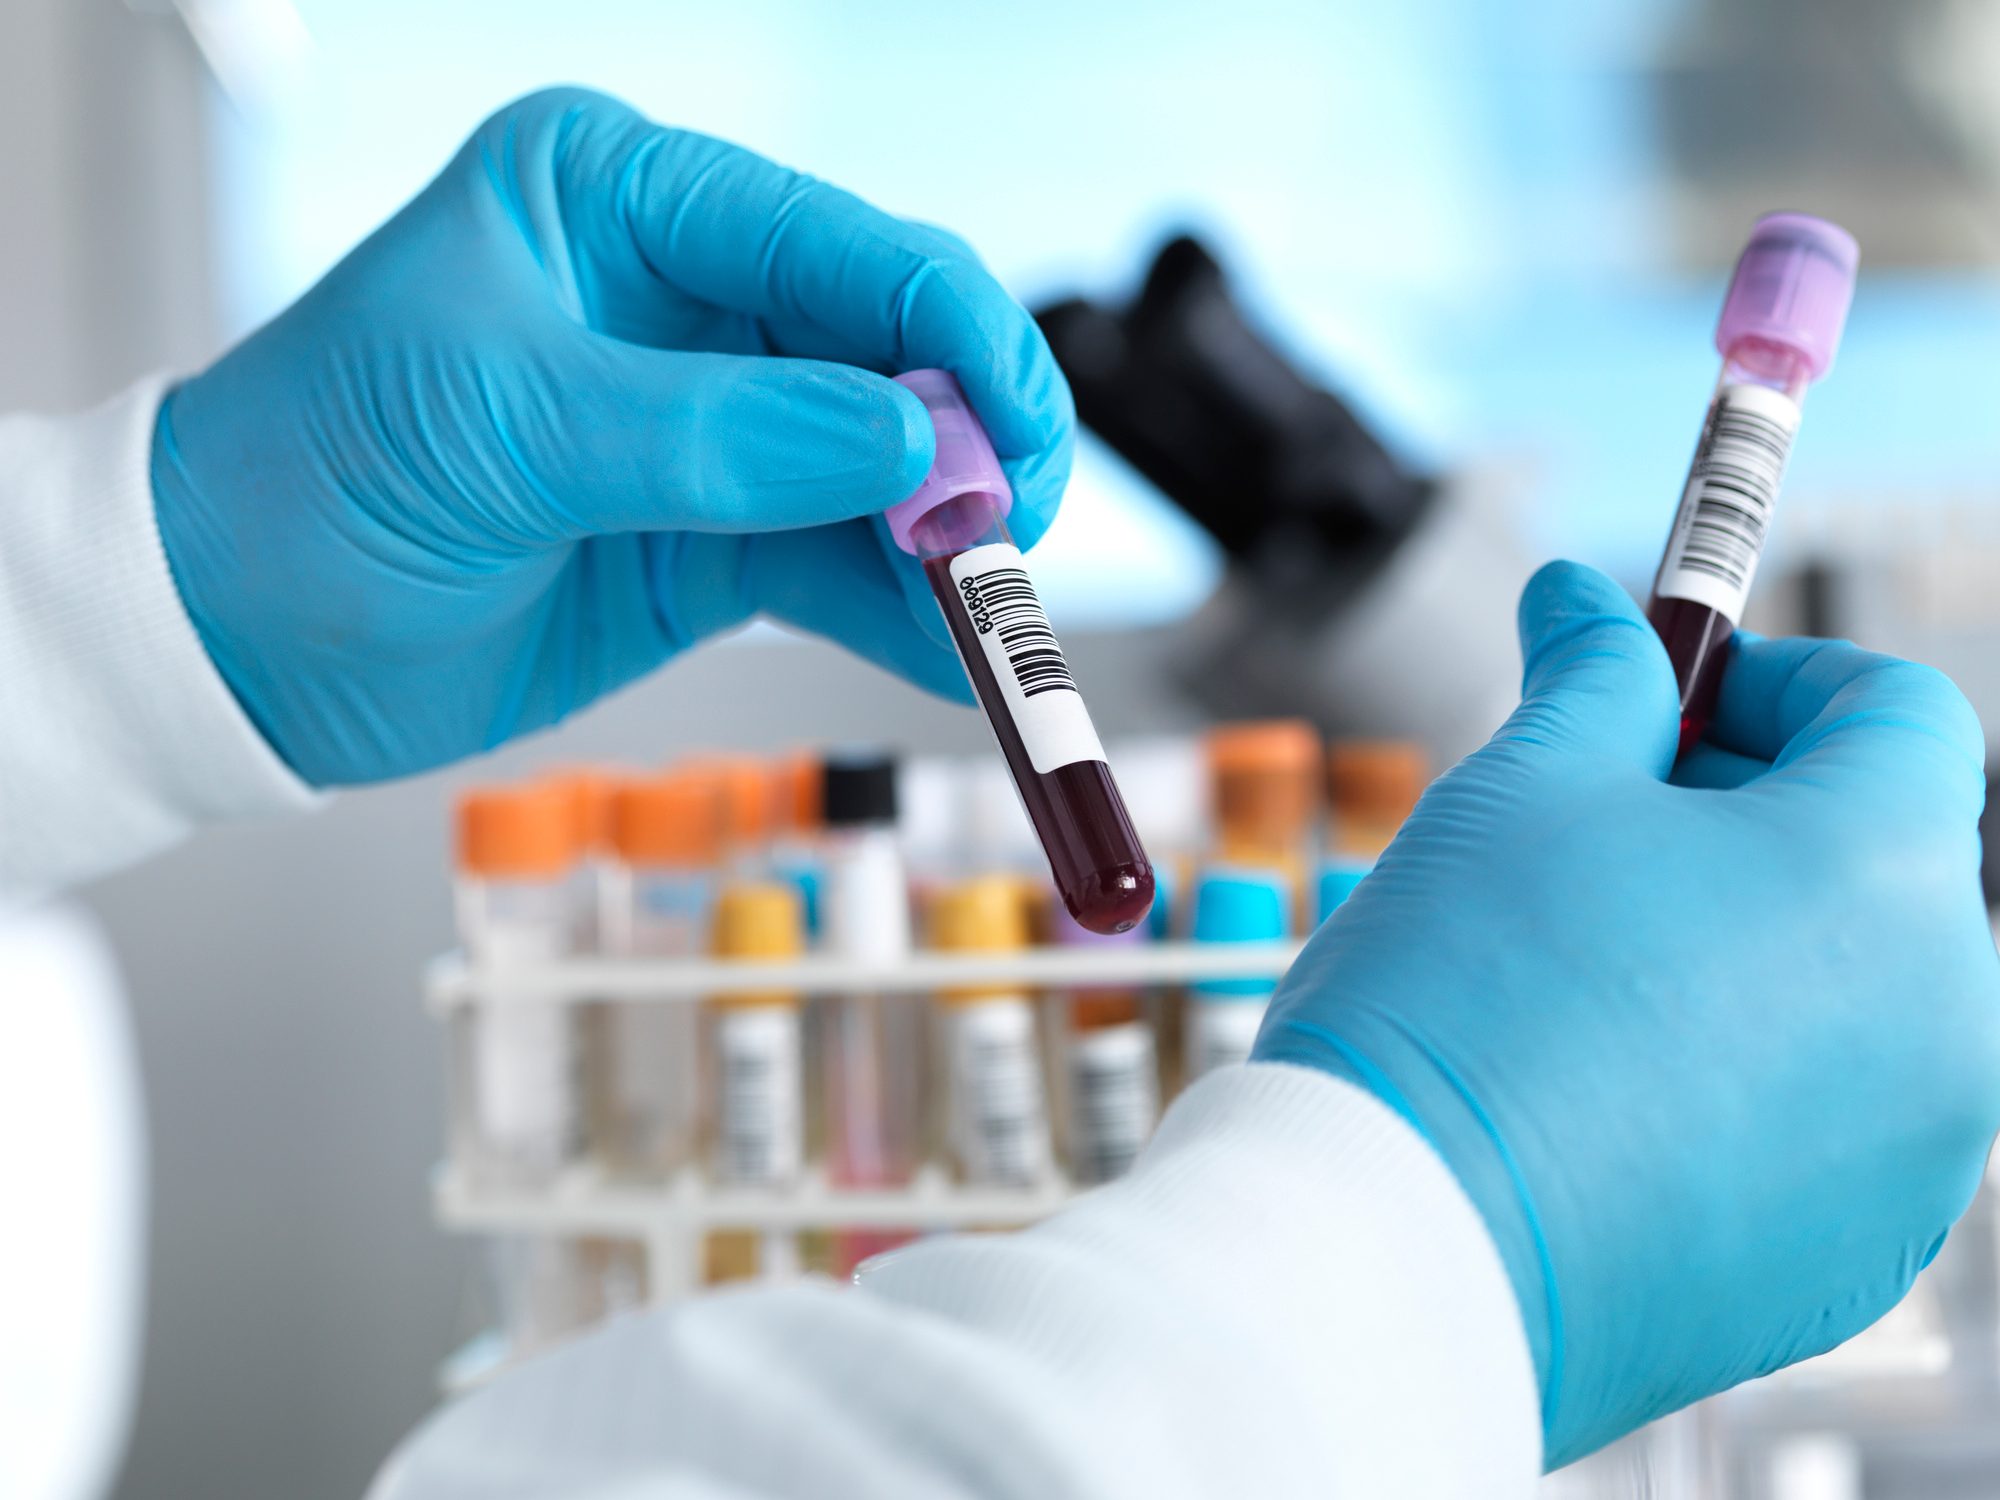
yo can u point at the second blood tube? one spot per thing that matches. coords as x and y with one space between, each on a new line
1781 323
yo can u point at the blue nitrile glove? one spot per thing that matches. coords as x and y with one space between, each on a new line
1716 1057
570 411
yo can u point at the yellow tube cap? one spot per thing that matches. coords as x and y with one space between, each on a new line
986 915
758 920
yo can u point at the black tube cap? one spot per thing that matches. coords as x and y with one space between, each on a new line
858 788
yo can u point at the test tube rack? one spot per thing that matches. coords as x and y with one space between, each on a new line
672 1219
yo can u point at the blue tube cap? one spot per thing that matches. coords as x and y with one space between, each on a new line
1337 880
1239 906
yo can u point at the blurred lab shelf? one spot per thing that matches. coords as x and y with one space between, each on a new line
453 981
586 1204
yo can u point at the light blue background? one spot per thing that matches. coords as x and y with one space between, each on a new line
1453 209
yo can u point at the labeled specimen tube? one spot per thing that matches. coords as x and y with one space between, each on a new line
665 841
1110 1066
1223 1015
995 1119
956 524
521 1120
1780 326
756 1037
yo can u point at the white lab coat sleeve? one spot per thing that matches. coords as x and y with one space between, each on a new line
117 734
73 1256
1289 1296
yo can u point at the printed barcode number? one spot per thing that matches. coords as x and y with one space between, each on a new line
1725 514
1015 615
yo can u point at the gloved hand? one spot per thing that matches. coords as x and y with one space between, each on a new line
601 390
1716 1055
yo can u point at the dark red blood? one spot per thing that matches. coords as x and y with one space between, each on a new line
1100 869
1697 640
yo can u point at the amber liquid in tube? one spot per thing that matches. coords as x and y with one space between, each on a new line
1100 869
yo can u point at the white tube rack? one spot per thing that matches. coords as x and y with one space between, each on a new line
453 982
673 1219
586 1204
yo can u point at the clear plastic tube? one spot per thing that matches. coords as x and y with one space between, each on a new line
519 1117
524 1120
659 892
1780 326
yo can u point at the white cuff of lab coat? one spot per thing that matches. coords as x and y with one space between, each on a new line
1316 1306
117 734
1289 1298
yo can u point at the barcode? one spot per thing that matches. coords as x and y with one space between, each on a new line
1011 635
757 1130
1732 488
1116 1102
749 1116
1005 1129
1737 484
1017 618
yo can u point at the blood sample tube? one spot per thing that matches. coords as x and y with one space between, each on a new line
1110 1066
665 839
956 524
795 798
756 1047
872 1044
589 790
995 1120
1780 326
755 1065
1265 792
1372 787
748 798
1223 1015
519 1119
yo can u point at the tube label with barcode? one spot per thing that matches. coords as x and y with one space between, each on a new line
1001 1121
760 1135
1024 656
1221 1033
1114 1099
1732 487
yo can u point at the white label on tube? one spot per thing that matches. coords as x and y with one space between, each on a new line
527 1085
1114 1098
759 1127
1726 508
1001 1124
1220 1033
1024 657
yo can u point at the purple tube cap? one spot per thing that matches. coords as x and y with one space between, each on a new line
1792 287
966 463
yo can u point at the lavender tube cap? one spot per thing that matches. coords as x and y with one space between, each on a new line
1792 287
965 465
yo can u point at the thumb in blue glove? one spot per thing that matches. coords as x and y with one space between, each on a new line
1715 1050
600 391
